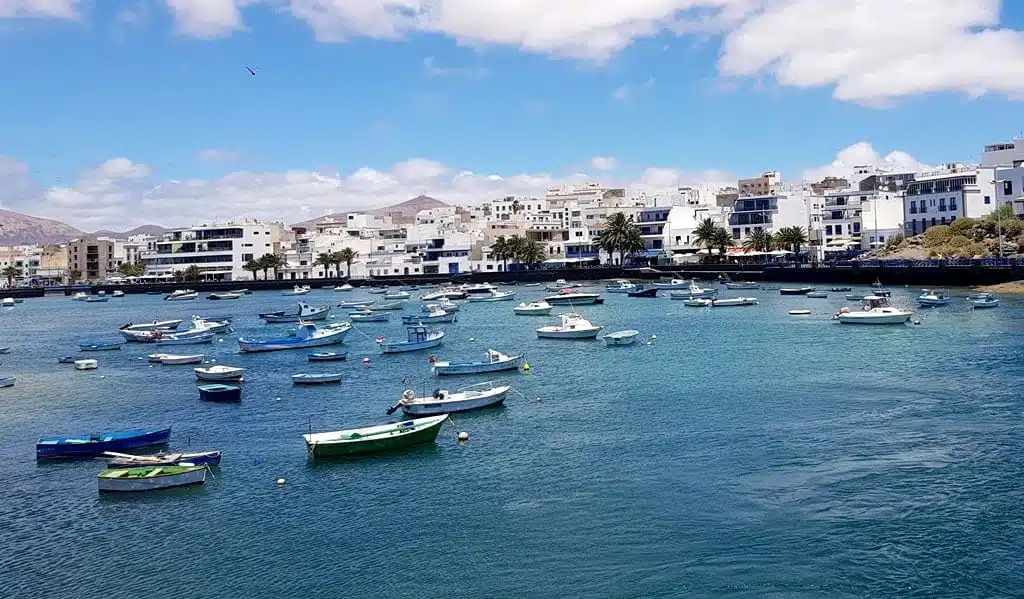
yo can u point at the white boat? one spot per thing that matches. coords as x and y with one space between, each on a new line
696 302
572 298
933 299
385 306
627 337
80 296
307 335
150 478
343 288
495 296
876 310
573 326
86 365
692 291
152 326
298 290
118 293
450 293
304 313
444 303
397 295
368 316
419 337
559 285
726 302
8 302
496 362
984 300
377 290
224 296
219 373
355 304
316 379
175 360
435 315
479 289
186 339
182 295
818 294
540 308
97 299
7 381
473 397
742 285
620 286
673 284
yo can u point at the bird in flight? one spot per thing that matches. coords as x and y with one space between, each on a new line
252 71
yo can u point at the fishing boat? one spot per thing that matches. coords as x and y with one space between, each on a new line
742 285
89 446
343 288
368 316
984 300
80 296
877 289
397 295
818 294
224 296
627 337
186 339
86 365
304 312
306 336
219 372
176 360
434 316
418 338
696 302
298 290
933 299
386 306
182 295
673 284
201 326
573 326
328 356
99 345
150 478
450 293
795 290
444 303
479 289
441 402
66 360
168 325
373 439
642 291
620 286
8 302
377 290
572 298
5 349
494 296
220 393
128 460
7 381
355 304
316 379
97 299
496 362
727 302
875 310
540 308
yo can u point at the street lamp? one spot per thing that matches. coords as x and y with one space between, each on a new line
999 217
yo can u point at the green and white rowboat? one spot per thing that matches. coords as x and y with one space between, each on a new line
151 478
373 439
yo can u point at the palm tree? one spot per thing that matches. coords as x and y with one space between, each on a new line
347 255
179 276
252 266
10 273
704 234
192 273
797 238
530 252
326 259
616 233
722 240
758 241
74 275
515 246
634 243
271 262
500 251
337 261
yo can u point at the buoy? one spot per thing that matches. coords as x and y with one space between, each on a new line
539 399
917 322
281 481
150 365
103 376
654 337
463 436
277 399
472 339
526 367
220 341
212 361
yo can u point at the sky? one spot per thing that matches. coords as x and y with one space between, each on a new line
117 113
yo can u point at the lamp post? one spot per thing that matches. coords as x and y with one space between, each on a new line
999 217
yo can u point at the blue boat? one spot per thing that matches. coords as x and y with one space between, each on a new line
198 458
496 362
328 356
66 360
90 446
420 337
99 345
307 335
186 339
220 393
316 379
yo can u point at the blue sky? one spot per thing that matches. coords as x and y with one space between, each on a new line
127 79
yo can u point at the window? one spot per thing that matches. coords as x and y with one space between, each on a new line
942 204
828 229
924 206
856 227
736 233
1007 188
839 229
952 204
943 220
881 239
246 257
988 199
913 206
933 221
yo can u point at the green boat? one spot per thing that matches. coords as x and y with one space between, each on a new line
151 478
373 439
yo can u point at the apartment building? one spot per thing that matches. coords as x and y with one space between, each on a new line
219 251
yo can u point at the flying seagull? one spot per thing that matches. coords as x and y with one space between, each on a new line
251 71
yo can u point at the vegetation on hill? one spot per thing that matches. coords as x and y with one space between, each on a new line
963 238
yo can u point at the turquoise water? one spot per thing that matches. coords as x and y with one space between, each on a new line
744 453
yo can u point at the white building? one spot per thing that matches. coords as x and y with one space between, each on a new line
219 250
786 207
940 197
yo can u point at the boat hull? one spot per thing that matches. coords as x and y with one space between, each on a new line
584 334
555 300
873 319
220 393
191 476
802 291
327 357
374 443
438 408
336 337
533 311
315 379
87 447
980 305
406 346
206 458
621 339
232 376
449 369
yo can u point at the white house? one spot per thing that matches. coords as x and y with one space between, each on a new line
219 250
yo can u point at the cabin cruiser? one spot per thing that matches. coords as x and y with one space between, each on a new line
875 310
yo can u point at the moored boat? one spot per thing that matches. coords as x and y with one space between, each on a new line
496 362
186 339
875 310
368 316
933 299
742 285
86 365
355 304
99 345
304 312
472 397
307 335
316 379
984 300
795 290
89 446
150 478
377 290
572 326
220 393
343 287
818 294
298 290
66 360
494 296
97 299
727 302
620 286
642 291
80 296
386 306
444 303
373 439
224 296
540 308
197 458
397 295
572 298
418 338
672 284
327 356
435 315
173 360
219 372
182 295
7 381
627 337
152 326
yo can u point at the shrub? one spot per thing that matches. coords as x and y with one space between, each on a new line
1012 228
963 226
894 243
958 241
936 236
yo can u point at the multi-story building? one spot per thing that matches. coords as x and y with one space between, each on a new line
939 197
92 258
219 251
785 207
765 185
589 194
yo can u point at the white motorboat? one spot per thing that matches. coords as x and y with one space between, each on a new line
479 289
984 300
343 288
355 304
368 316
434 315
573 326
540 308
495 296
561 285
572 298
742 285
181 295
450 293
219 373
818 294
174 360
8 302
224 296
933 299
298 290
117 293
473 397
169 325
673 284
305 312
692 290
726 302
697 302
397 295
627 337
80 296
876 310
444 303
86 365
620 286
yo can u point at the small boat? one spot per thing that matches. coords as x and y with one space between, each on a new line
726 302
316 379
692 291
186 339
182 295
89 446
99 345
643 292
441 402
5 350
620 286
373 439
175 360
818 294
220 393
224 296
450 293
573 326
857 297
418 338
117 293
627 337
307 335
356 304
495 296
7 381
155 358
496 362
127 460
984 300
168 325
878 290
97 299
343 287
673 284
742 285
154 293
8 302
150 478
264 315
697 302
531 285
219 373
540 308
559 285
66 360
241 291
572 298
298 290
933 299
217 318
80 296
444 303
328 356
841 289
304 312
386 306
479 289
799 312
795 290
377 290
368 316
86 365
397 295
876 310
435 315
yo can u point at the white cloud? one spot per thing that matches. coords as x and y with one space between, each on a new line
603 163
864 154
432 69
628 90
207 18
218 155
49 9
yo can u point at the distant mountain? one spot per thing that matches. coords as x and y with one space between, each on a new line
405 210
22 229
154 230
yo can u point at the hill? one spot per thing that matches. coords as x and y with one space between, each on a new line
404 210
22 229
154 230
963 238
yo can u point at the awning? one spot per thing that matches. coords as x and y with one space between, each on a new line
568 260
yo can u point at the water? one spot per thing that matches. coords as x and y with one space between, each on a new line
745 453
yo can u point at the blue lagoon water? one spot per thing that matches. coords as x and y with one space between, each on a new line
744 453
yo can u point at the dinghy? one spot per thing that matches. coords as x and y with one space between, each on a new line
304 312
368 316
220 393
219 373
7 381
90 446
627 337
540 308
307 335
150 478
327 356
86 365
99 345
355 304
224 296
127 460
316 379
186 339
473 397
386 306
434 316
173 360
373 439
496 362
419 338
66 360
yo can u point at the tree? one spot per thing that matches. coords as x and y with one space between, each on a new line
618 235
192 273
529 252
796 237
633 244
270 262
516 206
347 255
722 240
252 266
132 270
10 273
179 276
758 241
515 246
74 275
704 234
501 249
326 259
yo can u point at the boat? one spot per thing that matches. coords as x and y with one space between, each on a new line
5 350
418 337
450 293
397 295
697 302
8 302
572 298
117 293
186 339
224 296
531 285
307 335
875 310
799 312
441 402
496 362
304 312
264 315
692 291
150 478
66 360
327 356
742 285
344 287
620 286
86 365
673 284
89 446
355 304
540 308
7 381
316 379
495 296
386 306
726 302
435 315
377 290
857 297
97 299
155 358
444 303
795 290
841 289
154 293
368 316
627 337
175 360
141 336
220 393
241 291
201 325
573 326
878 290
643 292
197 458
99 345
373 439
298 290
219 372
479 289
818 294
168 325
933 299
182 295
559 285
984 300
80 296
